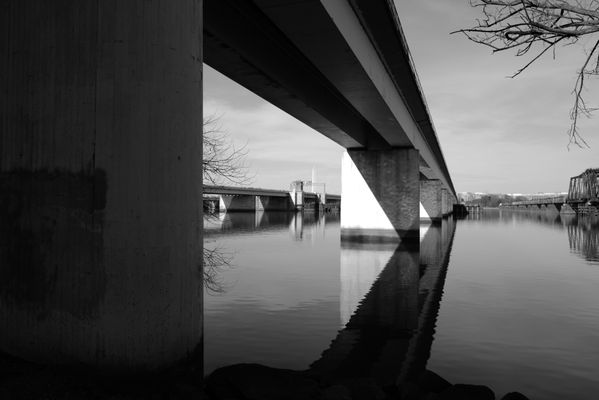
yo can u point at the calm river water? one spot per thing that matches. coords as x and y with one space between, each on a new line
505 299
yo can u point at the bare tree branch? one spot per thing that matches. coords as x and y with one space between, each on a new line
539 26
580 106
222 161
215 260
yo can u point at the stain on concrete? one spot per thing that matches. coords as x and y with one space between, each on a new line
51 225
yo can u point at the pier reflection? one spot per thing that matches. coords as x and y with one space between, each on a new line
217 258
583 237
389 334
301 225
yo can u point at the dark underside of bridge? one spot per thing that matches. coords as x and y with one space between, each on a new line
292 54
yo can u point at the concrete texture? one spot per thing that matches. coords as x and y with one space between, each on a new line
447 202
100 171
381 194
444 202
431 199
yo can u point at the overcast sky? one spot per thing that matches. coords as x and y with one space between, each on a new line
497 134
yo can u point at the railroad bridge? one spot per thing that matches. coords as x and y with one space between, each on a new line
582 197
584 188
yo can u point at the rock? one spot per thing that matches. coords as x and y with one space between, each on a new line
258 382
466 392
365 389
409 391
336 392
431 382
392 391
182 390
514 396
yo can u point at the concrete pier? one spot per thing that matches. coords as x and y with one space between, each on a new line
431 199
381 195
266 203
238 203
100 182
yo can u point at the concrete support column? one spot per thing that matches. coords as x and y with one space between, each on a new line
297 199
448 200
100 182
431 199
259 203
381 195
243 202
444 202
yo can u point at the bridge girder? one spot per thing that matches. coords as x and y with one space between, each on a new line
341 67
584 187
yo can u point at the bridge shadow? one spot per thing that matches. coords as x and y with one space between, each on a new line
388 337
390 299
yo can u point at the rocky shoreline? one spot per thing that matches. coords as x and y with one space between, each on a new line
253 381
24 380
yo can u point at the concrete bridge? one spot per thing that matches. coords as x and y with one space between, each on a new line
347 74
228 198
100 155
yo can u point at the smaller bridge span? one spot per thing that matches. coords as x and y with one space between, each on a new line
556 204
241 191
229 198
555 200
584 188
582 197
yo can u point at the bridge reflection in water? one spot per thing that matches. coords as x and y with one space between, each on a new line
389 297
389 335
583 230
299 224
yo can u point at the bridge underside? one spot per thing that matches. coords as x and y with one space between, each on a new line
101 153
343 68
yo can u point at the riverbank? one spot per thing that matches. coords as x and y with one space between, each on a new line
24 380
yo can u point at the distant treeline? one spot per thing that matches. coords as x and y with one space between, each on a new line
494 200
